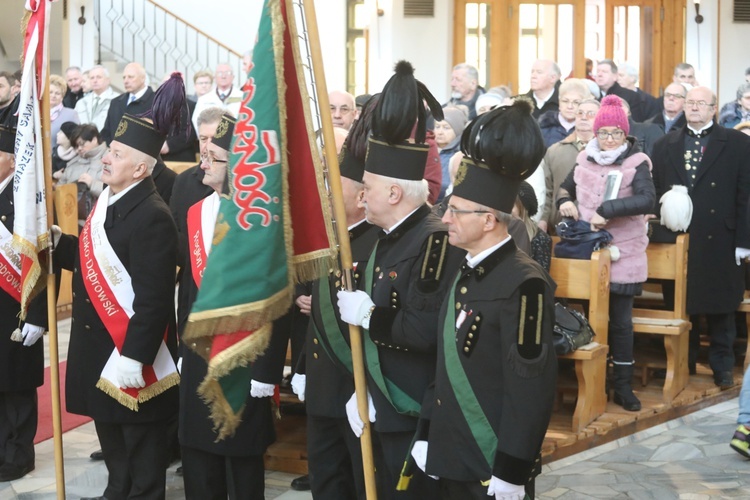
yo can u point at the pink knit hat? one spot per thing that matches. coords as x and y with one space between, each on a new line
611 114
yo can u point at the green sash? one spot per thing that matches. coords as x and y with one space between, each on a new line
401 401
479 426
339 349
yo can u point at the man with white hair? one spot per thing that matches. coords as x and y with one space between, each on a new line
121 359
402 287
628 76
465 88
545 81
94 107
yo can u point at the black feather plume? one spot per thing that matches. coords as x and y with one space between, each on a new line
398 107
507 139
169 100
356 140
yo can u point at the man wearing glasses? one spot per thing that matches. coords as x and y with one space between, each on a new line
672 117
224 95
711 162
343 109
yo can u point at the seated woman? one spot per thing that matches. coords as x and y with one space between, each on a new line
621 211
86 167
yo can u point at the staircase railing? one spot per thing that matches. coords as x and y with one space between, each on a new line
145 32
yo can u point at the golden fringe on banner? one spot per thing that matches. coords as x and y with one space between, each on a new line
32 285
144 394
241 354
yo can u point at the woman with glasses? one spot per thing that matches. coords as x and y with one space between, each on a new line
558 124
613 187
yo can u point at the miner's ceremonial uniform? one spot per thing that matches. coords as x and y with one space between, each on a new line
484 421
122 356
405 281
334 454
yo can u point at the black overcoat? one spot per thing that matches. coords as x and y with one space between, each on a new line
142 233
715 283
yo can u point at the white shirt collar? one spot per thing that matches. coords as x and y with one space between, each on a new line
707 125
357 224
393 227
5 182
113 198
140 93
541 102
474 261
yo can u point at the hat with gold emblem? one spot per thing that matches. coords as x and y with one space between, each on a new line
501 148
224 132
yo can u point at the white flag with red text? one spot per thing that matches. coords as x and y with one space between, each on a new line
30 235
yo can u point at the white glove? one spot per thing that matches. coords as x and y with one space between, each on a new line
179 365
354 306
355 421
502 490
261 389
31 333
299 382
419 452
55 233
741 254
130 373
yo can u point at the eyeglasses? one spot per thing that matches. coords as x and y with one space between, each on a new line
210 160
667 95
344 110
565 102
700 104
457 211
586 114
615 134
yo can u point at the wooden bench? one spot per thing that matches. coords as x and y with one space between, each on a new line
668 261
745 308
587 280
179 166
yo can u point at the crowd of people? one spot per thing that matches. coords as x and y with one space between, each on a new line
450 222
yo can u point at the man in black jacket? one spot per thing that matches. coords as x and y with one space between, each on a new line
121 359
545 82
606 79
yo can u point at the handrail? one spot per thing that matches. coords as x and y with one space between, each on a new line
187 23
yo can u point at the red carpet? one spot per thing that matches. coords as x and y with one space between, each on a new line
69 421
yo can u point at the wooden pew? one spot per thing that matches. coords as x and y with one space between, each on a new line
745 308
668 261
587 280
179 166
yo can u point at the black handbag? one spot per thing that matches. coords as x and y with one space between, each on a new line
578 241
571 331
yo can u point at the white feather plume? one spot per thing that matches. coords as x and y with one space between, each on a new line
676 209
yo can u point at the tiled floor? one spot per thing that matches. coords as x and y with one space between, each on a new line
688 458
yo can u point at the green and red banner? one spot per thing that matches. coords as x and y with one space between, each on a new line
273 227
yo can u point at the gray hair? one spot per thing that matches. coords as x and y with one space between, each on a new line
99 66
555 68
610 62
470 70
502 217
574 85
210 115
501 90
414 191
683 66
72 68
742 90
630 70
592 101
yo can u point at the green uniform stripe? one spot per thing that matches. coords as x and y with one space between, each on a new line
339 349
477 421
400 400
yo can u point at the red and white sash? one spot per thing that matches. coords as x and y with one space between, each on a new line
10 265
110 290
201 220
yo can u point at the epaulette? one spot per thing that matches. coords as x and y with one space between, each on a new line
434 260
531 316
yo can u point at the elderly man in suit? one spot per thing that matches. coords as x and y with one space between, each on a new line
711 162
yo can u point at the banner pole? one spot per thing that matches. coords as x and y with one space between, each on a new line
345 252
54 359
